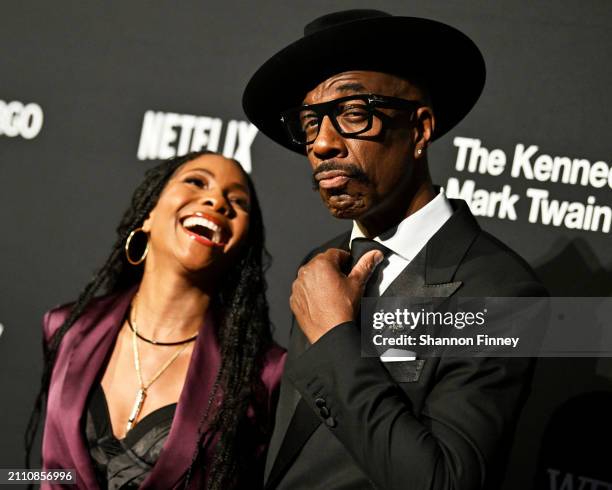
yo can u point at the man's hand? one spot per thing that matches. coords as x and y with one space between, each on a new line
323 296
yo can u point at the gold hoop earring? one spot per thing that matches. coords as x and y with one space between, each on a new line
127 247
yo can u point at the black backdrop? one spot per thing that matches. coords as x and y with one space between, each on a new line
91 93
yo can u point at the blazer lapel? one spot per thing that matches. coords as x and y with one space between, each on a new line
94 337
295 421
293 416
288 399
411 282
447 248
430 274
179 448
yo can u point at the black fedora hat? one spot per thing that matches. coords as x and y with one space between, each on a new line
436 56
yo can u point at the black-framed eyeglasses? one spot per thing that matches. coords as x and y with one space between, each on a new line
352 116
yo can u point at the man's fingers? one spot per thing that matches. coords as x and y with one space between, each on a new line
336 256
363 269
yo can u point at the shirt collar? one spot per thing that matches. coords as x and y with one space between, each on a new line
408 237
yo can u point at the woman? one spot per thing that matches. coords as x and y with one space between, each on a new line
169 380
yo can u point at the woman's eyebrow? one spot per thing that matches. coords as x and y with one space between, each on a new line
240 187
235 185
201 170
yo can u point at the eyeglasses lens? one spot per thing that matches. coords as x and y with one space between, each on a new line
351 117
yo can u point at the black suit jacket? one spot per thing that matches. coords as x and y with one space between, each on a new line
351 422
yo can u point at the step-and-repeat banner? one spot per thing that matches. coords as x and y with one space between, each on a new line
93 93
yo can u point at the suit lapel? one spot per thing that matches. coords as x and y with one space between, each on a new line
293 417
430 274
180 446
94 337
288 400
446 249
411 282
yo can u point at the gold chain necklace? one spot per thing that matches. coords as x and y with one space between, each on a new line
142 392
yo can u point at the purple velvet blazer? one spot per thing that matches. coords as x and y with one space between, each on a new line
82 356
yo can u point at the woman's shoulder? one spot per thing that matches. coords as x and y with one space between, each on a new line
274 363
55 317
275 353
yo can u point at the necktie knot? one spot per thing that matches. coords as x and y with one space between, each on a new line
361 246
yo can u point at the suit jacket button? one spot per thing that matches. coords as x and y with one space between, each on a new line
320 402
330 422
324 411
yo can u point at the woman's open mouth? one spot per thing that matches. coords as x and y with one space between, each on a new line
203 230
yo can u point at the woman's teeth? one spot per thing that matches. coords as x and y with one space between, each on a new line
203 227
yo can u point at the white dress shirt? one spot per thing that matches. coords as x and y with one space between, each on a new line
407 238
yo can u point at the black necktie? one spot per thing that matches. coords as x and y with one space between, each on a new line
361 246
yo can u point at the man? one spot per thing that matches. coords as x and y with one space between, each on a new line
363 94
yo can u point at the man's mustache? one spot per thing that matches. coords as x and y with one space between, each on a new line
350 170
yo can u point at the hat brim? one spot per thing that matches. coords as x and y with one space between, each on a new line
438 56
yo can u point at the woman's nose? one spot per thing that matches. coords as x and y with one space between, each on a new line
217 203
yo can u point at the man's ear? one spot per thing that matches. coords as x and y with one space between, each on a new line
425 123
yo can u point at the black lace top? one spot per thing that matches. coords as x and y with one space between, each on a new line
124 463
